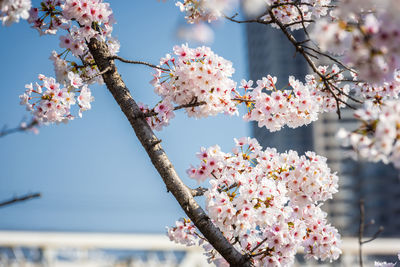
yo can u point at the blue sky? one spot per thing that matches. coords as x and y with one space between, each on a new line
93 173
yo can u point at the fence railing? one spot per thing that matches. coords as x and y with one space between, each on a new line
55 249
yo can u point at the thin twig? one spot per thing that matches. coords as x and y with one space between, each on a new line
243 100
259 244
301 50
138 62
299 22
19 199
330 57
97 74
361 231
21 128
189 105
257 20
375 236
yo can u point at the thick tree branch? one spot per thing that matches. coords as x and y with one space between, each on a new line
19 199
159 158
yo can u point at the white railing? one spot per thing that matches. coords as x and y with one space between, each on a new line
87 250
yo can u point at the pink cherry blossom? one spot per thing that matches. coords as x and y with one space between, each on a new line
268 201
12 10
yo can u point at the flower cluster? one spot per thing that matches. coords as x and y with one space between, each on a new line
332 92
93 16
378 92
94 19
377 138
277 108
62 67
12 10
204 10
369 40
297 14
50 102
51 19
87 12
268 202
184 231
298 105
159 116
196 76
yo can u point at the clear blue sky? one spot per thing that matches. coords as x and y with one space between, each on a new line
93 173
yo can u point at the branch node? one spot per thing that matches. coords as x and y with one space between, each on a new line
156 142
199 191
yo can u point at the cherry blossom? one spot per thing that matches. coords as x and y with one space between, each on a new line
267 204
336 87
164 112
297 15
297 105
184 231
367 33
204 10
387 90
195 76
377 138
268 201
275 108
12 10
52 19
50 102
210 10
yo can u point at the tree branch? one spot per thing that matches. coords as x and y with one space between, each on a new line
199 191
232 18
137 62
21 128
189 105
375 236
19 199
361 231
97 74
300 48
159 158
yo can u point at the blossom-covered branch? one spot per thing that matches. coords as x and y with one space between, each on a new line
261 205
159 158
266 203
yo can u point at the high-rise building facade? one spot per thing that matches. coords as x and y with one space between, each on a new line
269 52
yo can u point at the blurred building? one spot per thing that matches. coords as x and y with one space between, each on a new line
269 52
